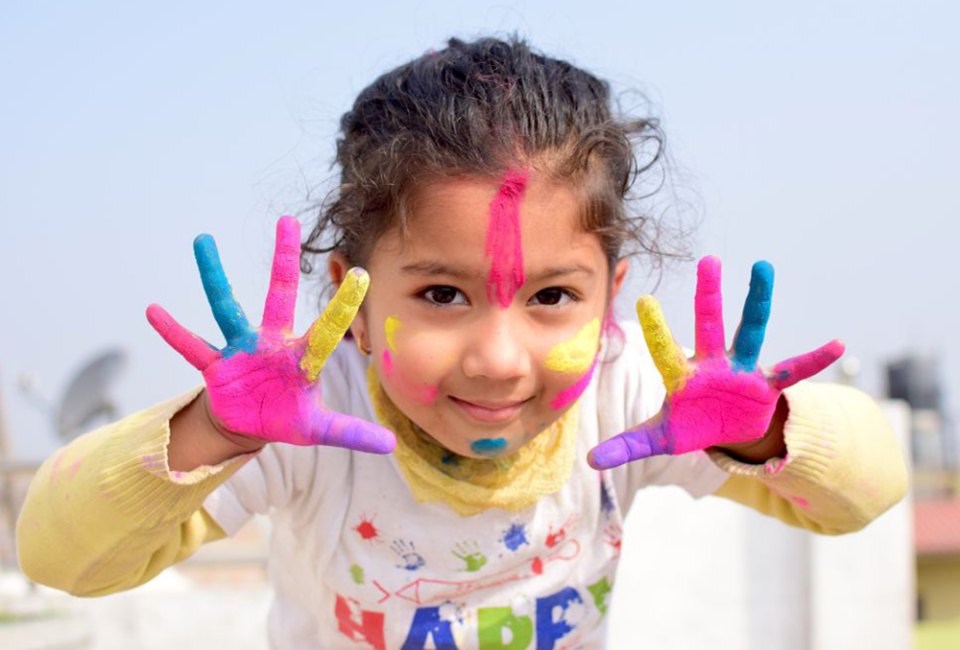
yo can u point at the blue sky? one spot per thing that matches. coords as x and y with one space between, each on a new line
821 136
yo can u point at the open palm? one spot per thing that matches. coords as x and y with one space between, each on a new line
718 397
265 382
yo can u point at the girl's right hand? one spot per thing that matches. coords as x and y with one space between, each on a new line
265 383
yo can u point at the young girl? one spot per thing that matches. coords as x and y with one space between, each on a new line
452 477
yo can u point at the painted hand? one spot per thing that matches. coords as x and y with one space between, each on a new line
716 397
264 383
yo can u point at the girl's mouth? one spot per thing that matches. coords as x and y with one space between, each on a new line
484 411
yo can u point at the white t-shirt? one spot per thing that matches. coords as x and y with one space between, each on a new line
356 562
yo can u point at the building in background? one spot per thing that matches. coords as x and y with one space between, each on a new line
936 492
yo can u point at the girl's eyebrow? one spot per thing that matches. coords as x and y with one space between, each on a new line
432 268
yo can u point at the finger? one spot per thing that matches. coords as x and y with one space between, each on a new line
191 347
708 305
226 310
667 355
788 372
282 295
330 327
339 430
649 439
756 313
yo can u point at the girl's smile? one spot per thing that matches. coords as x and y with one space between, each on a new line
472 347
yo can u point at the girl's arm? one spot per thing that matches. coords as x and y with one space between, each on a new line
105 513
842 469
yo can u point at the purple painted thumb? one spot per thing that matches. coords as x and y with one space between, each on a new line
338 430
646 440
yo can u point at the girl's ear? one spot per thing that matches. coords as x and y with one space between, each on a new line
337 267
619 275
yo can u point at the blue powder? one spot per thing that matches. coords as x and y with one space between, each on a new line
226 310
756 313
488 446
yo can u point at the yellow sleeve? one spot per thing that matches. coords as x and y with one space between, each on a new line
844 466
105 513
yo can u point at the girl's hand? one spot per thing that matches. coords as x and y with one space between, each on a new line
264 383
718 397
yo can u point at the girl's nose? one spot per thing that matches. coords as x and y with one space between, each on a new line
496 350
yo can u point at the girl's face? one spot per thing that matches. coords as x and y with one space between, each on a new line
481 338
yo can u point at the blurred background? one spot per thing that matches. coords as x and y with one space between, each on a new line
820 136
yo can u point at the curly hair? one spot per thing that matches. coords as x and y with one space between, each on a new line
481 108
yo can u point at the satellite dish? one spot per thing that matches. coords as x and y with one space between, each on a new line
85 398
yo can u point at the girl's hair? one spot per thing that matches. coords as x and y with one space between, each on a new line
482 108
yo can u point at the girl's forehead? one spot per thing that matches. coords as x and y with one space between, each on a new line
456 219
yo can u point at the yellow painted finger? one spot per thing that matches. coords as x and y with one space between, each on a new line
329 328
577 353
667 355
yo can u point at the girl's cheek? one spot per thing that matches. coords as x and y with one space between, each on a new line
413 363
575 359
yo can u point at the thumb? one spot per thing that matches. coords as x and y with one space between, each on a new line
649 439
339 430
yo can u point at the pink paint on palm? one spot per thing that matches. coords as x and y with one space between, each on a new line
503 245
569 395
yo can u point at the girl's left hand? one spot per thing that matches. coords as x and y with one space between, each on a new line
716 398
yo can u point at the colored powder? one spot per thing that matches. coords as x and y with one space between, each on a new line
570 395
503 245
667 355
576 354
226 310
387 363
488 446
800 501
756 313
390 326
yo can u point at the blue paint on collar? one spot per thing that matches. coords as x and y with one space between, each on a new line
488 446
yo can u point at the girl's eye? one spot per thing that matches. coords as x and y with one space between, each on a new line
552 297
444 295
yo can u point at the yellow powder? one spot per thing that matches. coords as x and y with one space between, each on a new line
391 325
576 354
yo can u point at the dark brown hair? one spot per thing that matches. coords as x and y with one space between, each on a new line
481 108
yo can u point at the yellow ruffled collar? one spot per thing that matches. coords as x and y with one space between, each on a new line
468 485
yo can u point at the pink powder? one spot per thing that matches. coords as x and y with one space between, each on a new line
387 363
503 243
800 501
570 395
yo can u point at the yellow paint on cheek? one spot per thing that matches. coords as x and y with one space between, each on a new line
390 326
576 354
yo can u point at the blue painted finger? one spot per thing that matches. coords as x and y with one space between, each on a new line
756 313
226 310
649 439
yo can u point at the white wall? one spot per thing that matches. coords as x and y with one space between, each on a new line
712 574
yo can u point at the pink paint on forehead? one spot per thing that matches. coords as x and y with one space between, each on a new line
503 245
570 395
